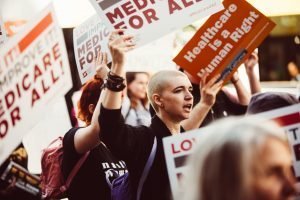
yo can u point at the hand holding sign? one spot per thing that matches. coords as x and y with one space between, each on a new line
141 17
119 44
225 40
251 62
209 89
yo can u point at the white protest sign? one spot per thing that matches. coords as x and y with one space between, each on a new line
34 72
2 32
150 19
89 38
177 148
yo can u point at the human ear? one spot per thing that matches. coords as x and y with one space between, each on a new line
157 100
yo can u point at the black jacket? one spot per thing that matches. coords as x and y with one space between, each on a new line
133 145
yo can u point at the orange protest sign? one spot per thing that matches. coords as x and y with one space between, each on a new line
225 40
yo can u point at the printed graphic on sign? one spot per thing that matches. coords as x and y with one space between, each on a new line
177 148
89 38
150 19
225 40
2 32
34 72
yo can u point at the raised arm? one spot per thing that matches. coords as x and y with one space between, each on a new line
242 94
87 138
119 44
209 90
253 79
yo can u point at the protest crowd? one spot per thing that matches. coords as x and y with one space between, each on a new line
205 128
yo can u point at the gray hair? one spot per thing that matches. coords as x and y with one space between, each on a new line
219 169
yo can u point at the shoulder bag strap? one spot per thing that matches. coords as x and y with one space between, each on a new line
147 168
76 168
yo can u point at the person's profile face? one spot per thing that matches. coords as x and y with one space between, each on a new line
272 177
176 97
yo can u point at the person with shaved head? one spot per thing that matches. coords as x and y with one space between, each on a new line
169 93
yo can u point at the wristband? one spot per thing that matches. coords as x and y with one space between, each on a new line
114 82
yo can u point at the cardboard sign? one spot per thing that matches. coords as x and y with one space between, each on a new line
2 32
34 72
225 40
177 148
150 19
89 38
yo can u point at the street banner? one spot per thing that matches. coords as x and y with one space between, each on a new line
224 41
34 72
149 20
89 38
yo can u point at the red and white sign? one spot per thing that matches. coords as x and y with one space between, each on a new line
89 38
225 40
150 19
178 147
34 72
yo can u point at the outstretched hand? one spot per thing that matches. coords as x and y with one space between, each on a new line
101 65
209 89
119 44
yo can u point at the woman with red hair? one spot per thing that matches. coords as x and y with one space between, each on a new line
93 179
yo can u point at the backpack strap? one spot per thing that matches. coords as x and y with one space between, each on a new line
76 169
147 168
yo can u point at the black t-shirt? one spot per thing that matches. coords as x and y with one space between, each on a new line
90 182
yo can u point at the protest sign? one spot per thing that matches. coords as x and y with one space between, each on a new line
177 148
34 72
225 40
89 38
2 32
150 19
